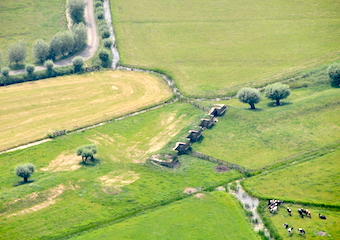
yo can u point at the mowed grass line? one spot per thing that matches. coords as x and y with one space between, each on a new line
308 119
86 198
215 47
30 20
311 182
216 215
29 110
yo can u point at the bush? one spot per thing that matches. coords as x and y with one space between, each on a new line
334 74
105 34
24 170
107 42
104 55
49 65
78 63
98 4
29 68
5 71
100 14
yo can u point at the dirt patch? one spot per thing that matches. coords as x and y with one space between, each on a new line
112 183
222 168
199 195
321 233
49 195
66 161
190 190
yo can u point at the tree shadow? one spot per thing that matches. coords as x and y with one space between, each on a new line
273 104
255 110
22 182
90 163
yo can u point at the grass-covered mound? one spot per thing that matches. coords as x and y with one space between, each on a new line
307 120
215 215
67 196
213 47
30 110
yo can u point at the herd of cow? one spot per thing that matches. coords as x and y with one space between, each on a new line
273 205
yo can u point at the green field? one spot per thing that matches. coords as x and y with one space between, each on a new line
30 20
214 47
30 110
314 182
309 119
67 196
315 227
216 215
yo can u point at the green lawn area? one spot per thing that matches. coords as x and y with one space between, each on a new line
215 47
67 196
309 119
216 215
315 182
30 20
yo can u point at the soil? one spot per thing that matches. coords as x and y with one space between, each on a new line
66 161
222 168
190 190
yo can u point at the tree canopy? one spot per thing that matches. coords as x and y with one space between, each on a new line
334 74
87 151
24 170
277 91
250 96
17 52
76 9
40 50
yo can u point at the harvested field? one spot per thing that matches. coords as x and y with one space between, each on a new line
31 109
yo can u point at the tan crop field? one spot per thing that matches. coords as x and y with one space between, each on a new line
29 110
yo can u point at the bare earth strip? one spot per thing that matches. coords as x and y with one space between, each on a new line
29 110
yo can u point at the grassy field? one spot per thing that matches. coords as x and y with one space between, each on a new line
30 20
29 110
207 217
314 182
308 119
315 227
214 47
67 196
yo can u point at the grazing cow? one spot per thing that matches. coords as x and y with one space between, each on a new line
301 231
290 230
289 211
273 209
308 213
285 225
300 211
322 216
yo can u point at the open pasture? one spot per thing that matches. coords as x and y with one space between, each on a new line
316 228
67 196
30 20
312 182
215 215
29 110
215 47
309 119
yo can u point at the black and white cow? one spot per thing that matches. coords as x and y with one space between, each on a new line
322 216
301 231
289 211
290 230
285 225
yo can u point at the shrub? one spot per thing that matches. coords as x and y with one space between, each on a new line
29 68
107 42
78 63
100 14
49 65
5 71
105 33
98 4
334 74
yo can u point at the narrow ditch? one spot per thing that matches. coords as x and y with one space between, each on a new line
250 203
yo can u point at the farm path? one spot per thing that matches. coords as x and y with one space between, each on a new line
88 51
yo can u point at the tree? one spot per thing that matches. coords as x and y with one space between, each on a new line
86 152
67 42
29 68
80 36
24 170
40 50
49 65
78 63
17 52
107 42
250 96
334 73
5 71
277 91
76 10
55 46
